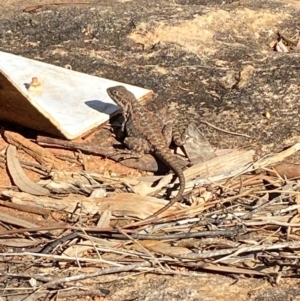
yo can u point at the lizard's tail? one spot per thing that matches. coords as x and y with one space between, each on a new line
178 171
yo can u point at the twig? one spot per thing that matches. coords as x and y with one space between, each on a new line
33 8
211 254
224 131
110 233
135 241
102 151
113 270
73 292
58 241
266 204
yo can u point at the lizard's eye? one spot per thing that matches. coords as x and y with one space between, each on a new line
115 92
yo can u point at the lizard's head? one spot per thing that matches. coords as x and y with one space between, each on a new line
120 95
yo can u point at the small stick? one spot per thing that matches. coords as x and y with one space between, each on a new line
33 8
224 131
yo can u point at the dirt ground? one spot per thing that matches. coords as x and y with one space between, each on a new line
214 57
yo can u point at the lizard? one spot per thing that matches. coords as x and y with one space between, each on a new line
147 128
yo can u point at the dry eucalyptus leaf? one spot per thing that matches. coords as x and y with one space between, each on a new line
20 179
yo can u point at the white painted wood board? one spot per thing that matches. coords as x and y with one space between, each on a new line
69 104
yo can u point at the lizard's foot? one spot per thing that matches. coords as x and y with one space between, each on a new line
179 138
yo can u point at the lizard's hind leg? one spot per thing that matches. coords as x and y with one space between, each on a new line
138 144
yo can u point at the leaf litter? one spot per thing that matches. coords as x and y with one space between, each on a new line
240 216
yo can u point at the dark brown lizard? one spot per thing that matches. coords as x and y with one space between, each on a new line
148 130
172 126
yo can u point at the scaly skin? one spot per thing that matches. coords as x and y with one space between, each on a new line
148 127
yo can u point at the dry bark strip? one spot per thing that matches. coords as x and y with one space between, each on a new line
145 162
122 204
9 219
26 208
43 156
19 177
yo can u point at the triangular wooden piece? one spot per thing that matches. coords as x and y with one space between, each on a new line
68 103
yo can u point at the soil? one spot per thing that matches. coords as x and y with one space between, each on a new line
215 57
